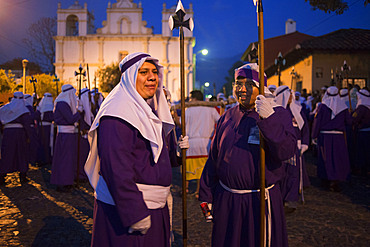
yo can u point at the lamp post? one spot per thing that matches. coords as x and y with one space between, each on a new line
279 61
204 53
24 64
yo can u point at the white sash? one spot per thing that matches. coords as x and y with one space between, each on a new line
67 129
13 125
267 197
331 132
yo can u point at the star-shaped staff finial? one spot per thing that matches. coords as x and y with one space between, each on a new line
177 20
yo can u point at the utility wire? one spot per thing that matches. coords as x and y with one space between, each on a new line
329 17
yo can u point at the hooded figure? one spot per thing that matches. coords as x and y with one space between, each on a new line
295 171
64 167
361 123
328 127
16 121
46 129
129 162
230 178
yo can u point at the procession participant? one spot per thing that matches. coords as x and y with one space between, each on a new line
46 129
361 123
85 123
34 139
230 179
272 88
66 116
16 121
343 94
129 164
328 127
200 122
295 172
96 100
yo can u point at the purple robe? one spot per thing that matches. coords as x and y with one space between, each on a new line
84 148
34 139
126 159
361 123
64 167
234 161
44 152
292 175
333 160
15 145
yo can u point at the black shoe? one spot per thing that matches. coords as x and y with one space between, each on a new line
23 178
335 187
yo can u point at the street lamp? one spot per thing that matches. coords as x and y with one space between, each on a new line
204 53
56 80
279 61
24 64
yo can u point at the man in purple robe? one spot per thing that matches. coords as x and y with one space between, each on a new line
16 121
230 179
129 164
66 116
295 172
328 127
46 129
361 123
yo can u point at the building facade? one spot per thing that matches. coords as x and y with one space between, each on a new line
123 32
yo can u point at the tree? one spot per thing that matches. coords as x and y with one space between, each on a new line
230 79
109 77
44 84
337 6
40 42
7 82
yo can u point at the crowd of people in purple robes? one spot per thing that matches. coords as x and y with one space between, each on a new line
126 153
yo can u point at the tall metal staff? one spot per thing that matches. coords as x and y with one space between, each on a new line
88 81
56 80
33 81
345 68
80 73
177 21
261 58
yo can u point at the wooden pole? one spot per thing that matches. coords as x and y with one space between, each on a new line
261 58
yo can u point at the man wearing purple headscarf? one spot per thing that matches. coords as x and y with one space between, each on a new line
129 164
328 127
230 179
16 121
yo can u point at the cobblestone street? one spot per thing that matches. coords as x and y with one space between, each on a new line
35 214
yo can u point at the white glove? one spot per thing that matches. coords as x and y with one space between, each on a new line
304 148
141 226
210 206
183 142
263 107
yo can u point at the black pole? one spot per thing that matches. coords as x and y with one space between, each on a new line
79 128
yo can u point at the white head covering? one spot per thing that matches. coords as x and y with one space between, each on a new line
343 94
282 95
363 98
332 100
28 99
88 116
46 104
272 88
13 109
309 102
68 95
221 96
137 112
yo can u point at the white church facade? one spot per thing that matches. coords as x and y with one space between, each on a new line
123 32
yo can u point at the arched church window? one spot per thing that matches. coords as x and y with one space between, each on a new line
72 26
124 26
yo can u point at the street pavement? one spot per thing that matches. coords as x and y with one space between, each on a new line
35 214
